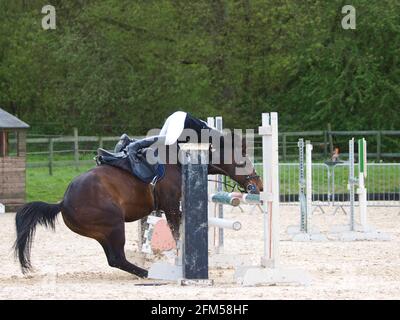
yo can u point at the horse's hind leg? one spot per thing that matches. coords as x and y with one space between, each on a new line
109 230
113 246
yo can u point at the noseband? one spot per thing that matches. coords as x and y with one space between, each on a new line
251 187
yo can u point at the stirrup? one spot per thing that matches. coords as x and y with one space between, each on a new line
154 181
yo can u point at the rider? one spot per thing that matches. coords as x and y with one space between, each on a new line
171 130
137 150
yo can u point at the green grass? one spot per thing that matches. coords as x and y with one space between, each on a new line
59 157
40 186
43 187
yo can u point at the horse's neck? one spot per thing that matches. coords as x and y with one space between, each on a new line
214 169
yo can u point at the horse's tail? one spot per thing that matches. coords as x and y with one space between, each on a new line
26 219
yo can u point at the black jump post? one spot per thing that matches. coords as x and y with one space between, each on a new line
194 159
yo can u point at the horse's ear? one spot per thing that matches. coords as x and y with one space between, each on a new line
244 145
235 142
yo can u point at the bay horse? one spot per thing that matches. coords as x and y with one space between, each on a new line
98 202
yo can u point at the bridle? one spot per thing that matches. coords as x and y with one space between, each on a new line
250 187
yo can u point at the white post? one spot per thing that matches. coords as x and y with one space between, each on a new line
216 209
270 195
212 207
351 184
362 191
220 207
309 149
266 196
362 195
275 188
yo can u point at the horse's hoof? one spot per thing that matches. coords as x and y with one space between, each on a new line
144 274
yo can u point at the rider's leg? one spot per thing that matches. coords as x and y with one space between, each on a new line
122 143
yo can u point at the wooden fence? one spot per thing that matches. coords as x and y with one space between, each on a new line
323 141
327 143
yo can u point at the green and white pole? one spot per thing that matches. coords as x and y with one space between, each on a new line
362 230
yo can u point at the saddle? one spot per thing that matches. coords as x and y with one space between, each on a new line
118 159
133 159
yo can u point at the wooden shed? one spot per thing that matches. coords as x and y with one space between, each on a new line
12 160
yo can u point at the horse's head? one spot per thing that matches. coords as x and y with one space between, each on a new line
235 162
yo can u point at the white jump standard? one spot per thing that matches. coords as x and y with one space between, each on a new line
305 231
220 256
354 231
216 209
270 271
192 264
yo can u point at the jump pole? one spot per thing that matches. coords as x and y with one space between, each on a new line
224 223
227 198
354 231
305 231
270 271
234 199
